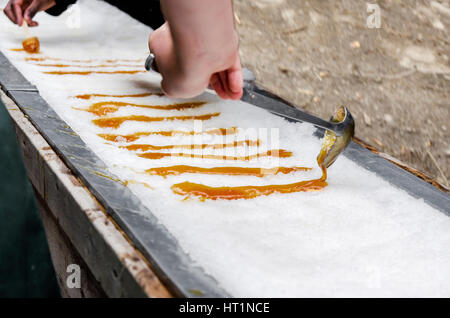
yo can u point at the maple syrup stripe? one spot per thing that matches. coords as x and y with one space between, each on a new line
83 73
115 122
231 171
237 143
46 58
89 96
104 108
167 133
204 192
279 153
88 66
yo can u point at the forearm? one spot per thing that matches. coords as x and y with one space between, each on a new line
203 32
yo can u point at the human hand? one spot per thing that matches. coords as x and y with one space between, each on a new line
25 10
223 72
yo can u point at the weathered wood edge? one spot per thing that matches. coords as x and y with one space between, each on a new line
118 266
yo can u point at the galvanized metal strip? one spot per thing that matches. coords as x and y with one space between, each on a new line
11 80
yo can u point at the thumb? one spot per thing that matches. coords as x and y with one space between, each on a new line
17 7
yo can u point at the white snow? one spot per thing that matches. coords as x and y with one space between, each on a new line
359 237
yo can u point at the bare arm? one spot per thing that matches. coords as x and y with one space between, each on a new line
198 46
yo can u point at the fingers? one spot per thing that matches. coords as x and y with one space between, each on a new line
217 85
224 81
32 23
31 11
10 12
158 44
235 80
182 83
35 7
17 8
228 84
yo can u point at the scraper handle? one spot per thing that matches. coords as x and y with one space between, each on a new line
150 63
277 106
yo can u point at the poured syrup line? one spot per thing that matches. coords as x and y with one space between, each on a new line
232 171
147 147
115 122
45 58
88 66
245 192
92 72
89 96
168 133
278 153
204 192
104 108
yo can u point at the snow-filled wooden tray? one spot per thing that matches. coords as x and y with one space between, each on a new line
375 230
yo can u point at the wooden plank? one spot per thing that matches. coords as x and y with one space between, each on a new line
64 255
114 262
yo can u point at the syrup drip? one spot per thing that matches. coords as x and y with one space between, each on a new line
31 45
125 183
128 182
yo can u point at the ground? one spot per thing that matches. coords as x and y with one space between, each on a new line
394 79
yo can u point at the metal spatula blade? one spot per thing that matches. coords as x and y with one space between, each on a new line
334 144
